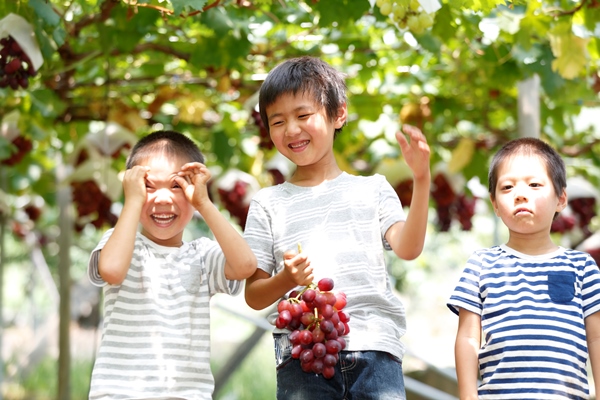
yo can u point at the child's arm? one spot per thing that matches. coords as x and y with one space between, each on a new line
592 333
262 289
115 256
407 238
240 262
466 351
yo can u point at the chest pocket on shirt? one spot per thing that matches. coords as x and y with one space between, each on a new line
561 286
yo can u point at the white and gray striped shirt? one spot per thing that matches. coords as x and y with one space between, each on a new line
156 333
341 226
532 312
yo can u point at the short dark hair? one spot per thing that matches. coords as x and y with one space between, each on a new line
308 75
530 146
171 143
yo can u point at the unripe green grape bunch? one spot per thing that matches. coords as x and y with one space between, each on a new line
406 14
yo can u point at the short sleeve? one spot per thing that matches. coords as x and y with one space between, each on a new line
591 287
390 208
467 292
258 233
215 269
93 273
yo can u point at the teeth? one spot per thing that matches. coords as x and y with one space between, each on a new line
296 145
163 217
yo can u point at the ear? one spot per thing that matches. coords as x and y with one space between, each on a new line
494 205
341 117
562 201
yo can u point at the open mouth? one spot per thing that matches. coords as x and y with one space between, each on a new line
298 145
163 219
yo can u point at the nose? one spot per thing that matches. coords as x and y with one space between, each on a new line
292 128
520 193
163 196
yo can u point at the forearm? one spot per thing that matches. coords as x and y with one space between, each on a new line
261 293
240 260
116 254
408 242
467 367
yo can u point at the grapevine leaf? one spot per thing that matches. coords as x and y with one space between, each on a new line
461 155
45 12
570 52
183 5
340 11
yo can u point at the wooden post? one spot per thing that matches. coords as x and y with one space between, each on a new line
528 104
64 266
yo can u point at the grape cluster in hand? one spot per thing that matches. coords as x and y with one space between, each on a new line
15 65
316 318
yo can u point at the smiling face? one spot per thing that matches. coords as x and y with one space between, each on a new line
166 211
301 131
524 197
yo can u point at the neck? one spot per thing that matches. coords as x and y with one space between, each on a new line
313 176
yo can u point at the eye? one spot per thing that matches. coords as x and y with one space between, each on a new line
276 123
535 185
304 116
506 187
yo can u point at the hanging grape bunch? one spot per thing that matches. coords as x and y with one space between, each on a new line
15 66
265 139
406 14
318 323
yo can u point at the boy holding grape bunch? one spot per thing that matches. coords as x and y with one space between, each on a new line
344 224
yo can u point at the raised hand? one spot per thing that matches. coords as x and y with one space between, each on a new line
134 184
193 178
416 152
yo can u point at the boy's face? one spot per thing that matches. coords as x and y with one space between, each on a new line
166 211
525 197
301 130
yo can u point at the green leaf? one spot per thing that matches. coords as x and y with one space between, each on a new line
184 5
44 10
571 54
47 103
340 11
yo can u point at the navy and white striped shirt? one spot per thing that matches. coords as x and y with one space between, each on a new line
532 312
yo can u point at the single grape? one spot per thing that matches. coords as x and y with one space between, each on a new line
327 326
306 367
343 316
340 301
284 305
319 350
328 372
309 295
386 8
294 337
307 356
325 284
342 342
327 311
317 365
296 350
306 337
318 335
329 360
333 346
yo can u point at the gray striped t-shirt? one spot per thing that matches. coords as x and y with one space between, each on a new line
156 332
341 226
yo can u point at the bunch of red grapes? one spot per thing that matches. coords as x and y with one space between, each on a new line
235 202
15 65
265 138
316 318
23 145
91 201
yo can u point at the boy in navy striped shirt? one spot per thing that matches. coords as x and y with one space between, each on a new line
532 303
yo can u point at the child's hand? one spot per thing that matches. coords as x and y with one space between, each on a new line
193 178
416 153
297 268
134 184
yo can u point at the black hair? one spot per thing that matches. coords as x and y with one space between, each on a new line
530 146
308 75
171 143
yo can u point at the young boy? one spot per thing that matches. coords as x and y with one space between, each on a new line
343 223
157 288
536 302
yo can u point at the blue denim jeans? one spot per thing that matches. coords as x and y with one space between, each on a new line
359 375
